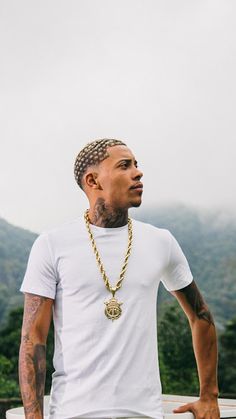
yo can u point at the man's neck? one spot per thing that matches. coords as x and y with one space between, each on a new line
104 215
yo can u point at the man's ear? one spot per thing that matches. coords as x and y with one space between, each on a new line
91 180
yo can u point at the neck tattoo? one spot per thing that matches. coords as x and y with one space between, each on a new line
103 215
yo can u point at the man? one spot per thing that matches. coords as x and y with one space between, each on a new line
99 274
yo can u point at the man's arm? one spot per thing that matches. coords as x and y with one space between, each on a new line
32 356
205 349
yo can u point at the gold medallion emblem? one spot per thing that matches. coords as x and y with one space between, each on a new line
113 309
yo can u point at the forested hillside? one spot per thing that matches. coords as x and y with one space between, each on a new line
15 244
208 241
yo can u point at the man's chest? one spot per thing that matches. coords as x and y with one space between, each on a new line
79 269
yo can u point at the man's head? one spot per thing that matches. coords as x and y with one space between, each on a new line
107 169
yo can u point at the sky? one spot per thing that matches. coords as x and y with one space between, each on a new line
159 75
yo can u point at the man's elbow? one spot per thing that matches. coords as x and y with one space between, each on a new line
33 337
201 318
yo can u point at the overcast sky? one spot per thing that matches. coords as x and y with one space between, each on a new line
160 75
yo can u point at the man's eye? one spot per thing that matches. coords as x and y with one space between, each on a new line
124 165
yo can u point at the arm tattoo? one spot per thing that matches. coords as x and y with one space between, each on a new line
197 303
39 360
32 380
32 362
34 302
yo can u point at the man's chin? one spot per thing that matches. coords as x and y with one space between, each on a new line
136 204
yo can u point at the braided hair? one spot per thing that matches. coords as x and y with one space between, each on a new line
92 154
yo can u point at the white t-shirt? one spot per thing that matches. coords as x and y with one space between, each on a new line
105 368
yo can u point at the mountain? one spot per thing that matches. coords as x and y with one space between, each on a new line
15 245
208 240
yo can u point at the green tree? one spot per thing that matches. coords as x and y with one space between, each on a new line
3 299
9 355
227 360
177 362
8 386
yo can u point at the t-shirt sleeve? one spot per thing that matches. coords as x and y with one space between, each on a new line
177 273
40 275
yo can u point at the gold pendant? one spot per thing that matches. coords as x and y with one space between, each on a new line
112 309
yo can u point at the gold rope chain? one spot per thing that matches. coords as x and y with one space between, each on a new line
102 270
113 307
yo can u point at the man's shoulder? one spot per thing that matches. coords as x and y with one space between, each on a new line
62 230
150 228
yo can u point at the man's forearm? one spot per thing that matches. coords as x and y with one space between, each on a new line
32 373
204 337
205 349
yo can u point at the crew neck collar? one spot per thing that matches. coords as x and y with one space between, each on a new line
94 227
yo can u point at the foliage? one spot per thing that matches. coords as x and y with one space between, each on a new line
9 355
227 359
15 244
177 362
8 385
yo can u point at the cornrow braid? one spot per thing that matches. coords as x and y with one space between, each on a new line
93 153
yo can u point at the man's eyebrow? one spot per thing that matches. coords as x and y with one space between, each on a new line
128 160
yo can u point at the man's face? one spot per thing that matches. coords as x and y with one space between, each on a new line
117 175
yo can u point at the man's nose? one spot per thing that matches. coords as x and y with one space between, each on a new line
138 173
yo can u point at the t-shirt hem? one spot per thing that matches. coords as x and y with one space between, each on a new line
187 281
110 413
36 291
105 416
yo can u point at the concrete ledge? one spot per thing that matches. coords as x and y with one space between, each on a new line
170 402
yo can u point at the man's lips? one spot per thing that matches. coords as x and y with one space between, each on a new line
137 186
